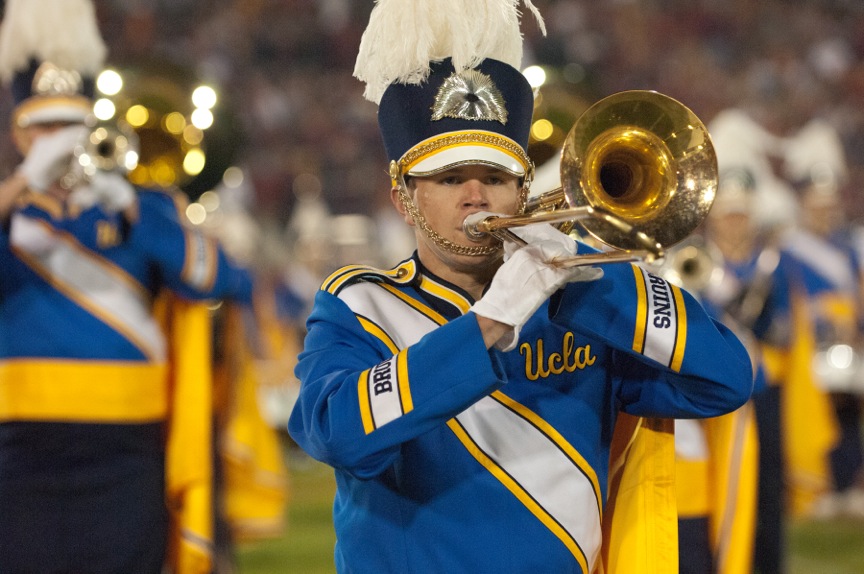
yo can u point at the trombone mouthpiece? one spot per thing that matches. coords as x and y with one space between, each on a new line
476 226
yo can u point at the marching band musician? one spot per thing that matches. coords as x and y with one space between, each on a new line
102 352
831 280
486 415
729 470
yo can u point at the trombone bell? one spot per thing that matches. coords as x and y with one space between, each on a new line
639 174
647 159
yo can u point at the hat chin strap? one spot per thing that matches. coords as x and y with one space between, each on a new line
442 242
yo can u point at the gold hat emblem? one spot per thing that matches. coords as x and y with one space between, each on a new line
469 95
50 80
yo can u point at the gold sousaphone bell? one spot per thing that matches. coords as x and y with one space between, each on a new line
638 173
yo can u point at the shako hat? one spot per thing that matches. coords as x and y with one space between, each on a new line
445 76
50 53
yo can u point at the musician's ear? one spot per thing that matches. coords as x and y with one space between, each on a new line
398 196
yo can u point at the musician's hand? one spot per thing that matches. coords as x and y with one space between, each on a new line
50 156
524 282
537 232
109 189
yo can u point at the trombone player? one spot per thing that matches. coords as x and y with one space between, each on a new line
88 457
477 401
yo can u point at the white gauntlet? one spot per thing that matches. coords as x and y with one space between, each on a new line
50 156
525 281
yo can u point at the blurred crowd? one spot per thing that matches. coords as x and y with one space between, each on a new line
300 125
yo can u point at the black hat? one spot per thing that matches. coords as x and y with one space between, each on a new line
450 94
478 115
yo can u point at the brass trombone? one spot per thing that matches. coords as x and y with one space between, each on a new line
638 172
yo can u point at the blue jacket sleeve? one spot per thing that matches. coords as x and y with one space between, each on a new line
189 263
674 359
348 414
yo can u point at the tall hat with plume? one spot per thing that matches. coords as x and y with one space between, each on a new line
50 52
445 76
814 158
747 180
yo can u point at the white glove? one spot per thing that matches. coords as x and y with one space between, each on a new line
109 189
539 232
524 282
536 233
50 156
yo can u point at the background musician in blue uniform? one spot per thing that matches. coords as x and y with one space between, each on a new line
730 470
473 410
831 286
85 357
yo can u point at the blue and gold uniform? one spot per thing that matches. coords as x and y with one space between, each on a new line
828 308
84 377
730 475
443 448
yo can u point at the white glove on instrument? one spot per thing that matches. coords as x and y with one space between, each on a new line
536 233
50 156
525 281
107 188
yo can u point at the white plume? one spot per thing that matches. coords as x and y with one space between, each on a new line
63 32
742 143
404 36
816 151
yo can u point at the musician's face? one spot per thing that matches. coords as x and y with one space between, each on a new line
447 198
821 211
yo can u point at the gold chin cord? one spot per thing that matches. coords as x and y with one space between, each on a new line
638 173
442 242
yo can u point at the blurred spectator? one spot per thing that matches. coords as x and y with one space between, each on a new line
285 65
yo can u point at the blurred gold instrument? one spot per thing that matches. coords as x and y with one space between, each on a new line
638 172
107 147
693 265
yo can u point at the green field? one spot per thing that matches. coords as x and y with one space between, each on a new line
835 547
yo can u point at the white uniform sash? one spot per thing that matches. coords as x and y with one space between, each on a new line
524 452
95 284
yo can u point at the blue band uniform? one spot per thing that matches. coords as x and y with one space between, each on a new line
500 440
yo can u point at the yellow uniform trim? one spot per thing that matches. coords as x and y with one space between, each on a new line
428 311
119 273
330 285
404 385
404 273
559 441
681 338
641 310
46 203
775 361
365 405
691 488
82 299
83 391
461 139
444 293
378 333
520 493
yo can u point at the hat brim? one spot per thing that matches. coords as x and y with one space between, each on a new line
440 158
46 110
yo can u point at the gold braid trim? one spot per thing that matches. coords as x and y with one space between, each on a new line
464 138
443 242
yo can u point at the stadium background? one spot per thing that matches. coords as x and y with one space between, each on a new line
292 117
